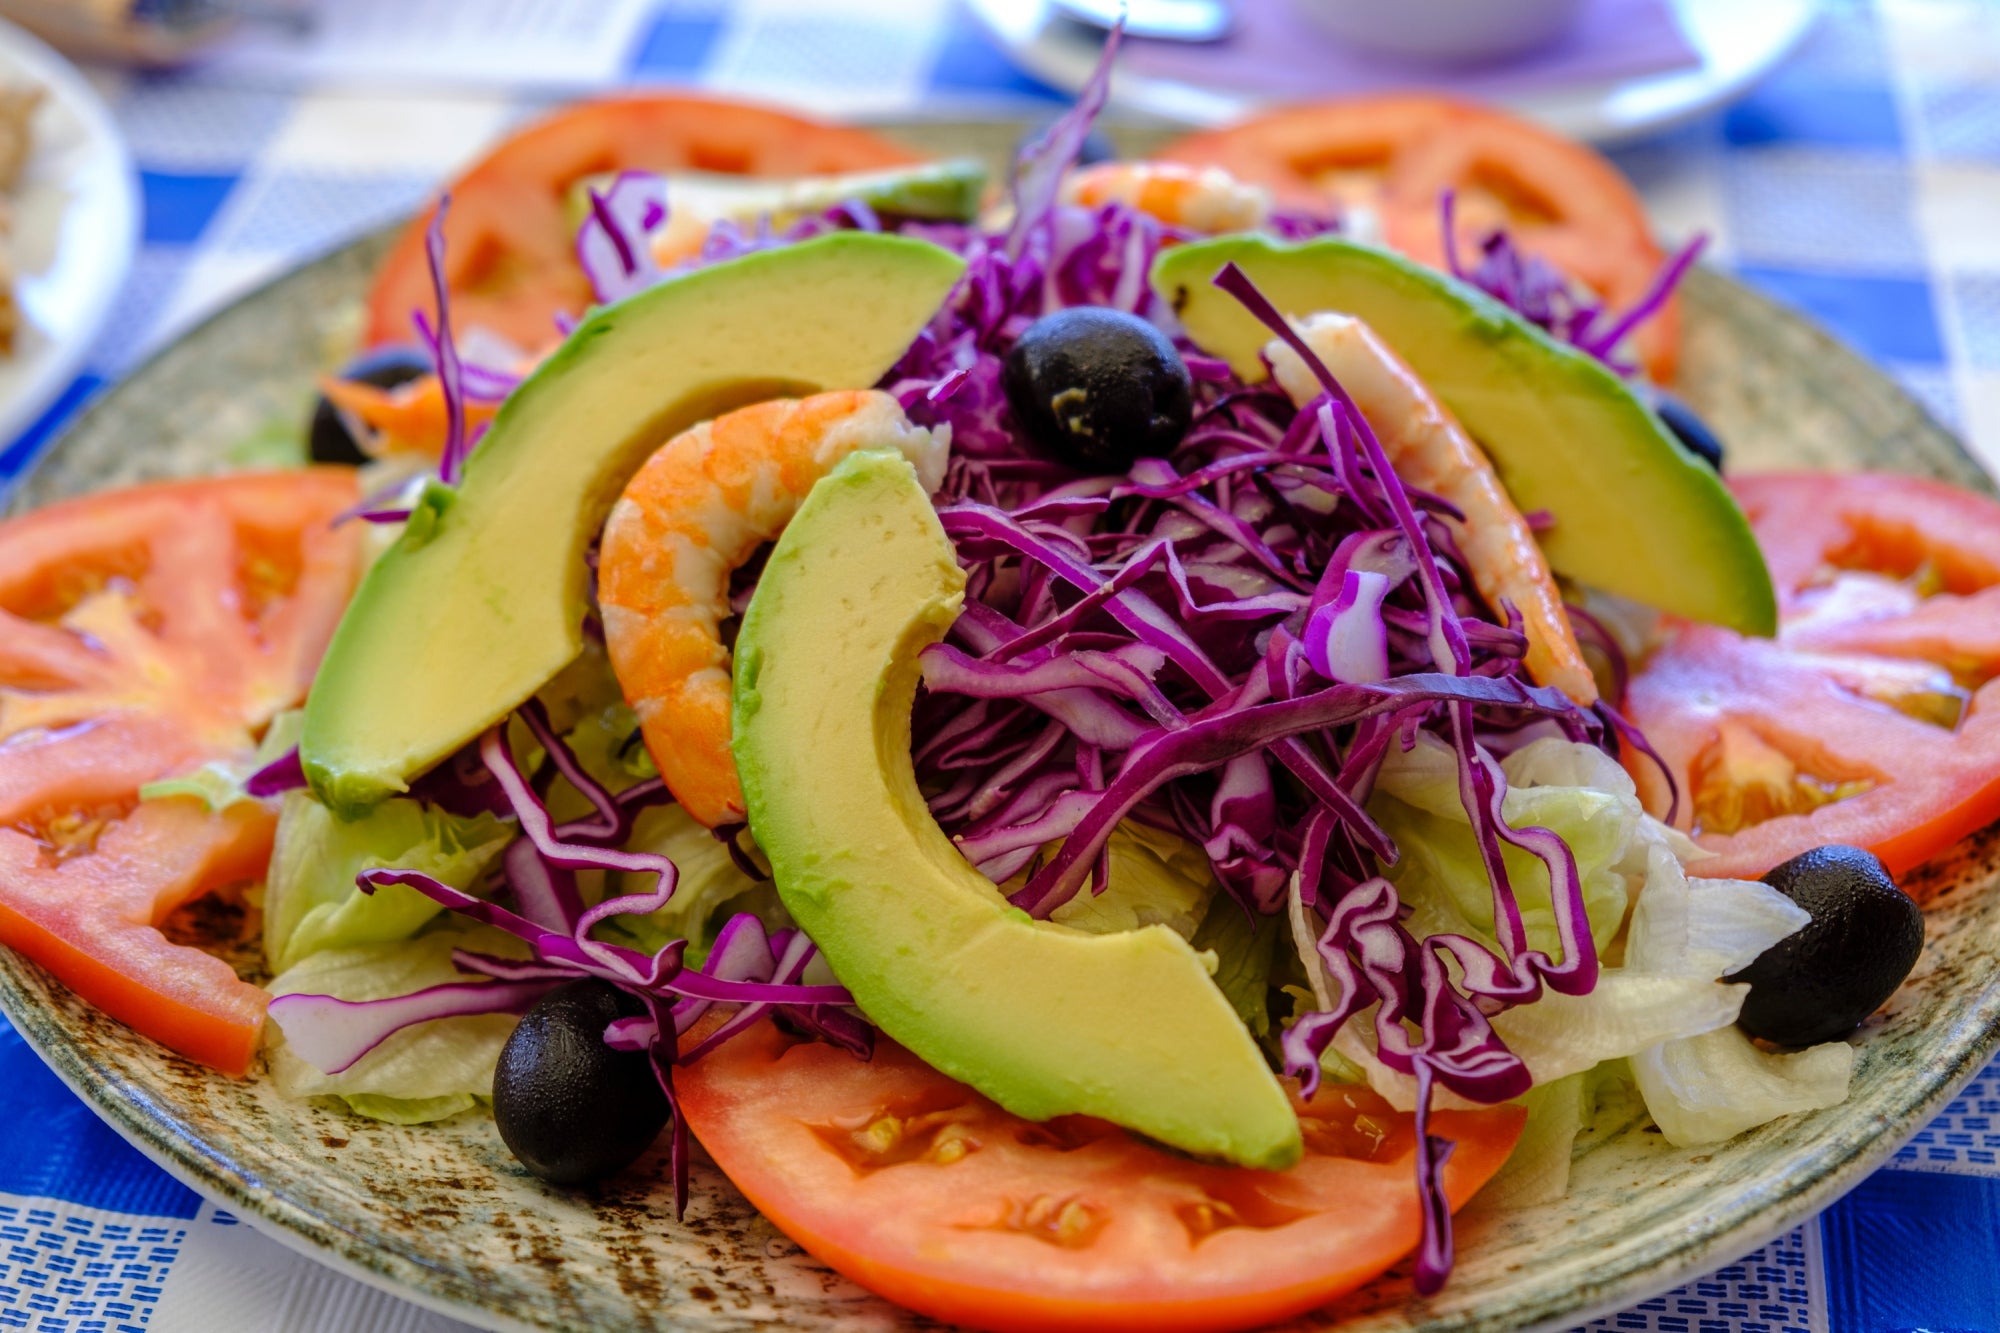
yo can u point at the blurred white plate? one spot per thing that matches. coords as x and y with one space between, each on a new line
76 228
1739 42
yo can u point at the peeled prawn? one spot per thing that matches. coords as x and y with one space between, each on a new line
405 419
698 508
1431 451
1204 199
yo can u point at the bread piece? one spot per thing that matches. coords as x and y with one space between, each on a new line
17 141
17 132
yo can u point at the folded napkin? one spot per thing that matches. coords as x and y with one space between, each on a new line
1278 51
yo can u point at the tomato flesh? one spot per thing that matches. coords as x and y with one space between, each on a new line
928 1194
1393 156
1874 717
510 246
144 632
91 919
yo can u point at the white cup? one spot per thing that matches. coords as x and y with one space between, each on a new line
1446 32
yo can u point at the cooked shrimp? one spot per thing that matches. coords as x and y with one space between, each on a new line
1431 451
1204 199
406 419
700 507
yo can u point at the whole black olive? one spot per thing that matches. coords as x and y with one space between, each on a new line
1689 429
1099 388
327 438
569 1107
1822 980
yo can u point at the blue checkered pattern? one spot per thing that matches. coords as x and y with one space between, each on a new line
1861 184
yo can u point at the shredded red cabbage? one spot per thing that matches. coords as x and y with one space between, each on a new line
1539 293
283 774
614 244
1347 640
759 974
1223 642
444 351
461 380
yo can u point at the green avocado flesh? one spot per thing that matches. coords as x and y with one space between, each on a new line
1044 1019
946 191
482 598
1635 513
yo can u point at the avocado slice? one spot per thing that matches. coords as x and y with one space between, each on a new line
482 598
1635 512
947 191
1045 1019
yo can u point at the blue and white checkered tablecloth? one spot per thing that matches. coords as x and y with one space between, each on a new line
1861 184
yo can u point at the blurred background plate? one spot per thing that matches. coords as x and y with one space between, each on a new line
1735 43
76 228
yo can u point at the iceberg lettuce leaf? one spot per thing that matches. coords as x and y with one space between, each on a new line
1665 1002
218 784
1537 1171
410 1110
1712 1087
711 888
1157 878
1244 952
437 1064
311 902
1440 873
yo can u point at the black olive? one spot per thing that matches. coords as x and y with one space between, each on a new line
1689 429
1095 148
569 1107
327 438
1098 388
1822 980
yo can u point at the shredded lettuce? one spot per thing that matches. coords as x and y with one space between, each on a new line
1157 878
1567 1121
410 1110
1712 1086
1574 790
1685 935
1560 1035
218 784
312 904
1537 1171
419 1074
586 705
1245 951
1666 1007
712 886
1704 927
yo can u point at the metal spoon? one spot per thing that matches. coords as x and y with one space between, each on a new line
1162 20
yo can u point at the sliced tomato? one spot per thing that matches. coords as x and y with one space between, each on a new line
1874 717
1393 156
925 1192
144 632
510 250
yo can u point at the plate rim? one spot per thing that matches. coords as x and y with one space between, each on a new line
133 1113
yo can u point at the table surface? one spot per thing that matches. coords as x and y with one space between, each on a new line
1860 184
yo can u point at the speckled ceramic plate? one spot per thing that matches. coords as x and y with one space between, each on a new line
444 1216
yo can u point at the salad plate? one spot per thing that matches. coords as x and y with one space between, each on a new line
443 1215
